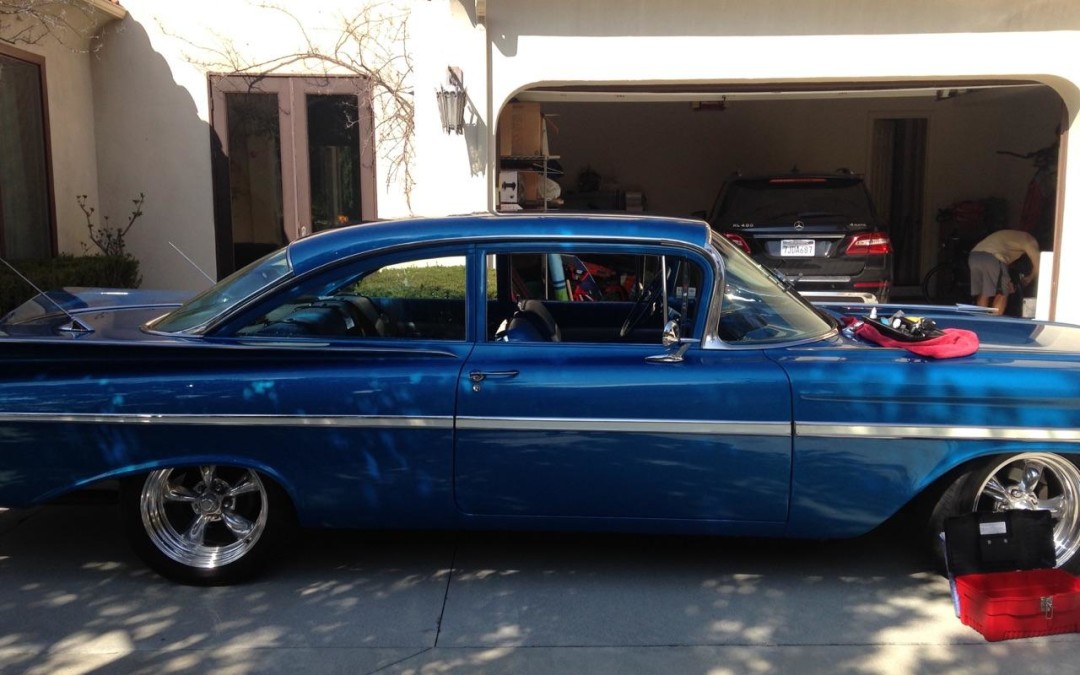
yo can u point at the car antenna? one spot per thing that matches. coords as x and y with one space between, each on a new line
76 326
193 264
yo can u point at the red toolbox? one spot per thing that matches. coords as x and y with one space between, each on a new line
1002 570
1027 603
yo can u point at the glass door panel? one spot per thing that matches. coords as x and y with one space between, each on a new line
254 175
24 171
334 155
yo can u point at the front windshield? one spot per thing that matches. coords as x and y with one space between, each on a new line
756 307
226 293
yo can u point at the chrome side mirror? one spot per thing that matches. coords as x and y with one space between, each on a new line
670 336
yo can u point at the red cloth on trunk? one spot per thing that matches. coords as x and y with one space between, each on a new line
952 343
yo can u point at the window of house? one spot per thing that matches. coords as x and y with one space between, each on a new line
293 157
25 215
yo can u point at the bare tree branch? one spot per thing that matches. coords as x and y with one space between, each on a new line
31 22
369 45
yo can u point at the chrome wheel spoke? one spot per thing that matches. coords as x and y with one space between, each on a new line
245 486
1055 505
995 490
178 493
207 473
1033 475
241 527
197 532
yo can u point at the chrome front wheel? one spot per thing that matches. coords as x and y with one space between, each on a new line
206 524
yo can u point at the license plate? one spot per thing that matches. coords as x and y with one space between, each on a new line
797 248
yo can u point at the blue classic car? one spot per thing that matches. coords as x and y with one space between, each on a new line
556 372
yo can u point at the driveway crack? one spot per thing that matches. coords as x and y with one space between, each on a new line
446 592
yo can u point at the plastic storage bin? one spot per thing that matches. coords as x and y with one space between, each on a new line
1027 603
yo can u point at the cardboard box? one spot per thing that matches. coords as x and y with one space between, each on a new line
530 186
521 130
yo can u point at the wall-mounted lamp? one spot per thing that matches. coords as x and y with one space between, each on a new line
452 102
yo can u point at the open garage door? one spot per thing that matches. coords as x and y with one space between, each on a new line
945 163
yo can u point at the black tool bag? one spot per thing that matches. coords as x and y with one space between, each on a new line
999 542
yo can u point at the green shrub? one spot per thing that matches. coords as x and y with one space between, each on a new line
446 281
100 271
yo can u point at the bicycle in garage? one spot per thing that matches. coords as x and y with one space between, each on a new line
949 282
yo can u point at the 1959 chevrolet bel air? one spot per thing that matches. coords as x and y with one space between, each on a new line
555 372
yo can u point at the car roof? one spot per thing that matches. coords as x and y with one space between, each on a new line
326 247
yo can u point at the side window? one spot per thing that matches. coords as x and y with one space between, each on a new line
418 299
585 296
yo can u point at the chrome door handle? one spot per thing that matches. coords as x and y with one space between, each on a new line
481 375
478 376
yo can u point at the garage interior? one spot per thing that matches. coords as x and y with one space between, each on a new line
933 154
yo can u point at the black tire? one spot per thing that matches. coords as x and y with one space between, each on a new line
1006 481
206 525
947 284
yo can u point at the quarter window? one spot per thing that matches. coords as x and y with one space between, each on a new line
590 296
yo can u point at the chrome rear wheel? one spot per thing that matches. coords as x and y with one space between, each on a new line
205 524
1036 481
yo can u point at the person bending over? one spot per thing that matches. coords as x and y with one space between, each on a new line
989 262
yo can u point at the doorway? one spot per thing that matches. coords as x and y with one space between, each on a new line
896 182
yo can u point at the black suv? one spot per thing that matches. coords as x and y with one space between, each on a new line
819 232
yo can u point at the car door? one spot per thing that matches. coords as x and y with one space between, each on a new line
592 426
352 374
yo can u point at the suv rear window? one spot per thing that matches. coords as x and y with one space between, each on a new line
765 200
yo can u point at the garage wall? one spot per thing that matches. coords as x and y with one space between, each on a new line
818 42
679 157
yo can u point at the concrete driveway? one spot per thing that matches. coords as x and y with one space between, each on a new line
73 599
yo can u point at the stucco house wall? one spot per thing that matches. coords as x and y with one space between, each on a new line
134 117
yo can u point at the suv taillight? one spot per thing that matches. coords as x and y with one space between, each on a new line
738 241
869 243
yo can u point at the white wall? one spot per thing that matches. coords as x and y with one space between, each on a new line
152 105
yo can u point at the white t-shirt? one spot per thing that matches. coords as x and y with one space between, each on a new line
1008 245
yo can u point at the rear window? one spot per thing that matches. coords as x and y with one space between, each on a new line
761 201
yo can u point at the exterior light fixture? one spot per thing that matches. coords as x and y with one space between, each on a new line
452 102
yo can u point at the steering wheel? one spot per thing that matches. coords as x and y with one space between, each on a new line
643 307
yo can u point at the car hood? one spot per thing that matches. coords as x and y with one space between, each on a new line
112 313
